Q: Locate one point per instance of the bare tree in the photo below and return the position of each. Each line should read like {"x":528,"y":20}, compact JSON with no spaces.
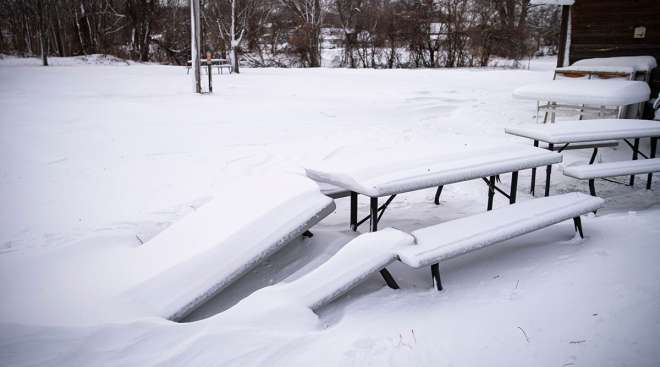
{"x":309,"y":16}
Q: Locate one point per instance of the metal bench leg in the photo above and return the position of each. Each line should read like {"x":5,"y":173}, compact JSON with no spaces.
{"x":389,"y":279}
{"x":592,"y":187}
{"x":437,"y":195}
{"x":491,"y":192}
{"x":514,"y":187}
{"x":577,"y":222}
{"x":593,"y":156}
{"x":533,"y":182}
{"x":548,"y":172}
{"x":354,"y":205}
{"x":649,"y":178}
{"x":435,"y":274}
{"x":373,"y":220}
{"x":635,"y":151}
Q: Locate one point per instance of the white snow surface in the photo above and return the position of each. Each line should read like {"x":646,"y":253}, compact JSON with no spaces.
{"x":577,"y":131}
{"x":639,"y":63}
{"x":94,"y":157}
{"x":399,"y":170}
{"x":450,"y":239}
{"x":611,"y":169}
{"x":596,"y":92}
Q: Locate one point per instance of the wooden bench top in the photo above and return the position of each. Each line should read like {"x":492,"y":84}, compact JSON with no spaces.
{"x":388,"y":177}
{"x":613,"y":169}
{"x":587,"y":130}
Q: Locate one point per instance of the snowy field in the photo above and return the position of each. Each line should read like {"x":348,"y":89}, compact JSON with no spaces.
{"x":98,"y":156}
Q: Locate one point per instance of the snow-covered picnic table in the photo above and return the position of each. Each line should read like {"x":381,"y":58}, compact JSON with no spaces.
{"x":640,"y":64}
{"x":389,"y":176}
{"x":596,"y":96}
{"x":570,"y":132}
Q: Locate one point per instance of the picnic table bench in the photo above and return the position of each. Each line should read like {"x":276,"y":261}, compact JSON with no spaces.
{"x":220,"y":64}
{"x":641,"y":66}
{"x":562,"y":135}
{"x":374,"y":251}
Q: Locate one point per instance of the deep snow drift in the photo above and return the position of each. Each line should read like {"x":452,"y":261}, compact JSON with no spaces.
{"x":97,"y":159}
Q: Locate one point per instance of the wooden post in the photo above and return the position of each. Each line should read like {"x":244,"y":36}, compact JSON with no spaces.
{"x":209,"y":64}
{"x":194,"y":45}
{"x":563,"y":35}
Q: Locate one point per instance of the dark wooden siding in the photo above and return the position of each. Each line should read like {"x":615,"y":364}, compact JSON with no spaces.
{"x":604,"y":28}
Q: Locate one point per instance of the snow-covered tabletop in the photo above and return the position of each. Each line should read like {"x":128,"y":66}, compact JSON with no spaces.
{"x":639,"y":63}
{"x":598,"y":69}
{"x":382,"y":177}
{"x":609,"y":92}
{"x":588,"y":130}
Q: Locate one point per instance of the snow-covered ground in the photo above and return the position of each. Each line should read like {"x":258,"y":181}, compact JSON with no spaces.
{"x":97,"y":156}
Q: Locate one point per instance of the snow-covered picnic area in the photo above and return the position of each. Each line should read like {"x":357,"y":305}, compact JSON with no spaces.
{"x":99,"y":156}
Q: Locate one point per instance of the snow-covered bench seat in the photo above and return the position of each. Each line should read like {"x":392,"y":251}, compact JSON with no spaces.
{"x":373,"y":251}
{"x":361,"y":257}
{"x":195,"y":258}
{"x":612,"y":169}
{"x":450,"y":239}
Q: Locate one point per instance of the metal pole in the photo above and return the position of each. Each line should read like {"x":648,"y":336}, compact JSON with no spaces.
{"x":354,"y":205}
{"x":654,"y":143}
{"x":194,"y":45}
{"x":548,"y":172}
{"x":634,"y":157}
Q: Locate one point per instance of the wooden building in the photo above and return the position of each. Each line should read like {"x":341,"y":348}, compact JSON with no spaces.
{"x":606,"y":28}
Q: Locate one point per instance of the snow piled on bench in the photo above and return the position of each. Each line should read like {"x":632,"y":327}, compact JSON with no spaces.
{"x":563,"y":132}
{"x":598,"y":69}
{"x":613,"y":169}
{"x":196,"y":257}
{"x":358,"y":259}
{"x":595,"y":92}
{"x":458,"y":237}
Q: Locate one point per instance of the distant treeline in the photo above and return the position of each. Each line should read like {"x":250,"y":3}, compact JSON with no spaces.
{"x":361,"y":33}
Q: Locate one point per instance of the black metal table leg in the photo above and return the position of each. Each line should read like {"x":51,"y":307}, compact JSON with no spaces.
{"x":548,"y":172}
{"x":634,"y":157}
{"x":373,"y":220}
{"x":592,"y":187}
{"x":533,"y":183}
{"x":491,"y":192}
{"x":354,"y":205}
{"x":593,"y":156}
{"x":577,"y":222}
{"x":649,"y":178}
{"x":435,"y":275}
{"x":373,"y":212}
{"x":514,"y":187}
{"x":438,"y":192}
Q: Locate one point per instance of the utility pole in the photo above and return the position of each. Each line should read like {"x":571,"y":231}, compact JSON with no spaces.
{"x":195,"y":41}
